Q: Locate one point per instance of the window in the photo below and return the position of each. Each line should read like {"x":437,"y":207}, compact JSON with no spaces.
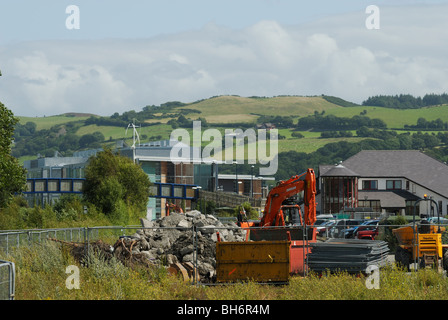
{"x":410,"y":206}
{"x":370,"y":185}
{"x":374,"y":204}
{"x":393,"y":184}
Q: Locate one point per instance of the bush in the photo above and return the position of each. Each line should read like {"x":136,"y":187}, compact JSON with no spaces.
{"x":251,"y":213}
{"x":297,"y":135}
{"x":386,"y":233}
{"x":113,"y":181}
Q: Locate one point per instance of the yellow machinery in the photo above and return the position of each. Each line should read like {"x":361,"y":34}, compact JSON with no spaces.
{"x":421,"y":244}
{"x":425,"y":248}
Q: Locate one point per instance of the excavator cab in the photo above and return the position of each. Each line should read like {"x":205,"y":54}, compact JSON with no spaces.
{"x":290,"y":213}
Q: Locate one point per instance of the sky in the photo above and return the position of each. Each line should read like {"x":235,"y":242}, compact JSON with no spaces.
{"x":129,"y":54}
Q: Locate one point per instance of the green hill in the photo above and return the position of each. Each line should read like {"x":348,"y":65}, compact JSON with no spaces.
{"x":230,"y":109}
{"x":71,"y":132}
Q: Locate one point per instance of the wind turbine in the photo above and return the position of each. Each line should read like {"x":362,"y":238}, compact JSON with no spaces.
{"x":134,"y":134}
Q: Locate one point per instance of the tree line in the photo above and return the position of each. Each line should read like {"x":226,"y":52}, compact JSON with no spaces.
{"x":406,"y":101}
{"x":29,"y":141}
{"x":331,"y":122}
{"x":424,"y":124}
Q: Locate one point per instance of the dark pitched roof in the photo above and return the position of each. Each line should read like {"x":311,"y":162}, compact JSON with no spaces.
{"x":410,"y":164}
{"x":388,"y":199}
{"x":336,"y":171}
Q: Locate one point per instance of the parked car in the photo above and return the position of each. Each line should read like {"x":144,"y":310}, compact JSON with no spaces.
{"x":320,"y":222}
{"x":351,"y":226}
{"x":437,"y":220}
{"x":338,"y":230}
{"x":368,"y":234}
{"x":365,"y":226}
{"x":324,"y":227}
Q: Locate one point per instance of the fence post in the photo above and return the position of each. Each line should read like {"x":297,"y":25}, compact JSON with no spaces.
{"x":195,"y":253}
{"x":10,"y":281}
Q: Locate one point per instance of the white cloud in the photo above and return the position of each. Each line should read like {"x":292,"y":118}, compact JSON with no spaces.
{"x":336,"y":56}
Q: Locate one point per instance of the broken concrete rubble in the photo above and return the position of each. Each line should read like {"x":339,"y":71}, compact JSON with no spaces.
{"x":171,"y":240}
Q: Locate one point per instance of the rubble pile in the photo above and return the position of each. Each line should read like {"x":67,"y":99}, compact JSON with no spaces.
{"x":166,"y":242}
{"x":170,"y":240}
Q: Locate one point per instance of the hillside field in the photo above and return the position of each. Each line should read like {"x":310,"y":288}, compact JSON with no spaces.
{"x":233,"y":110}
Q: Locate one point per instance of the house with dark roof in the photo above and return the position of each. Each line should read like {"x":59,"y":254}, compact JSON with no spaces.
{"x":387,"y":181}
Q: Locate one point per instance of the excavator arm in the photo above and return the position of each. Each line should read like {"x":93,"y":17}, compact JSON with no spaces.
{"x":287,"y":189}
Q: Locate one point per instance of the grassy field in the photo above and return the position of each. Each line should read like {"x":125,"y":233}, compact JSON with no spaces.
{"x":41,"y":275}
{"x":394,"y":118}
{"x":48,"y":122}
{"x":163,"y":130}
{"x":231,"y":109}
{"x":240,"y":109}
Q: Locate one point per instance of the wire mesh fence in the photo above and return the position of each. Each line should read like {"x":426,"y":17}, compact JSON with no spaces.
{"x":189,"y":247}
{"x":10,"y":239}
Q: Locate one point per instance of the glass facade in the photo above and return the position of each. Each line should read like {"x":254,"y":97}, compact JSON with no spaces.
{"x":339,"y":193}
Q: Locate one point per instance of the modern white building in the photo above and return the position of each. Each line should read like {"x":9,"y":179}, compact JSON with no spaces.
{"x":388,"y":181}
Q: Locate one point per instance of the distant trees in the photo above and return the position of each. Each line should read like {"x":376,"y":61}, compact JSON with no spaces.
{"x":297,"y":135}
{"x":12,"y":174}
{"x":331,"y":122}
{"x":336,"y":134}
{"x":338,"y":101}
{"x":424,"y":124}
{"x":29,"y":141}
{"x":278,"y":121}
{"x":406,"y":101}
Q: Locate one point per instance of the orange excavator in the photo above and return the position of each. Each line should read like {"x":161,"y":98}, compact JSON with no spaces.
{"x":277,"y":245}
{"x":273,"y":212}
{"x":278,"y":203}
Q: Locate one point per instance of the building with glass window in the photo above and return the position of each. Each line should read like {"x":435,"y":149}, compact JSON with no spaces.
{"x":49,"y":178}
{"x":387,"y":181}
{"x":175,"y":179}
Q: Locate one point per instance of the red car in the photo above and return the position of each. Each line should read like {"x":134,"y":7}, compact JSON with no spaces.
{"x":368,"y":234}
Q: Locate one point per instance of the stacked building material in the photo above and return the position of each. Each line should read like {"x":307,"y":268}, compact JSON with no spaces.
{"x":347,"y":255}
